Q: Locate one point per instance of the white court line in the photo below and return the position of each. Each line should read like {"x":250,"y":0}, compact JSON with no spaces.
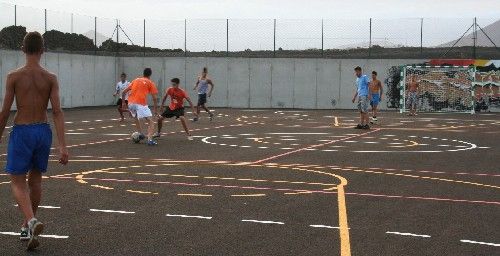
{"x":47,"y":236}
{"x":111,"y":211}
{"x":45,"y":206}
{"x":407,"y":234}
{"x":324,"y":226}
{"x":476,"y":242}
{"x":265,"y":222}
{"x":189,"y":216}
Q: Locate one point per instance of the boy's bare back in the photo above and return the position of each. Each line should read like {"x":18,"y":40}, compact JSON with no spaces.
{"x":33,"y":87}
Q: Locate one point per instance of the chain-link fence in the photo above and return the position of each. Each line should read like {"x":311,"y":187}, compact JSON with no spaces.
{"x":419,"y":38}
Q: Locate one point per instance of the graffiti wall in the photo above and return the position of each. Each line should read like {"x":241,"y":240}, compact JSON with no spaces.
{"x":485,"y":85}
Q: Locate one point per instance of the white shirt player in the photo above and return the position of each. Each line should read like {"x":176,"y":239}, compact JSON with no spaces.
{"x":121,"y":86}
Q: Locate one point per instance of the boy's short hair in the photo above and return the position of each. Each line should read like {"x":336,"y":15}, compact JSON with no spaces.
{"x":147,"y":72}
{"x":123,"y":74}
{"x":33,"y":43}
{"x":175,"y":80}
{"x":358,"y":68}
{"x":374,"y":72}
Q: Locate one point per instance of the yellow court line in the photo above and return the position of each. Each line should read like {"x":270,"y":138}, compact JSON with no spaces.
{"x":141,"y":192}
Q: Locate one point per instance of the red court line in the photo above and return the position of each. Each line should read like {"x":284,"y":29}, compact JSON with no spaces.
{"x":313,"y":146}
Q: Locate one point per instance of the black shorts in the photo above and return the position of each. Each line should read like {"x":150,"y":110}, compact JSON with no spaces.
{"x":171,"y":113}
{"x":202,"y":99}
{"x":120,"y":101}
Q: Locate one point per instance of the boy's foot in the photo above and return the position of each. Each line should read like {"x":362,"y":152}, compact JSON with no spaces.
{"x":152,"y":143}
{"x":195,"y":119}
{"x":366,"y":127}
{"x":25,"y":235}
{"x":35,"y":229}
{"x":156,"y":135}
{"x":142,"y":136}
{"x":359,"y":126}
{"x":211,"y":117}
{"x":190,"y":137}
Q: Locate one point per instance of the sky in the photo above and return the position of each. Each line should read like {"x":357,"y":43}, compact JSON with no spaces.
{"x":280,"y":9}
{"x":346,"y":25}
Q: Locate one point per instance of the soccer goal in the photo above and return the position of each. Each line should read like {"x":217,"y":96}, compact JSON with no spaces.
{"x":440,"y":88}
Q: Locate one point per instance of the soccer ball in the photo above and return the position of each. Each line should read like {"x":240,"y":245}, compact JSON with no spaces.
{"x":136,"y":137}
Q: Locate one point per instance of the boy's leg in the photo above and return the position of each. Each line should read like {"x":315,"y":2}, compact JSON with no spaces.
{"x":151,"y":127}
{"x":22,"y":196}
{"x":121,"y":112}
{"x":184,"y":125}
{"x":206,"y":109}
{"x":35,"y":187}
{"x":160,"y":124}
{"x":138,"y":125}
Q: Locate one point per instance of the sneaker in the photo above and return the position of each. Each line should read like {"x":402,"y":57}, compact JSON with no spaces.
{"x":156,"y":135}
{"x":365,"y":127}
{"x":211,"y":117}
{"x":359,"y":126}
{"x":195,"y":119}
{"x":35,"y":229}
{"x":190,"y":137}
{"x":142,"y":136}
{"x":25,"y":235}
{"x":152,"y":143}
{"x":374,"y":119}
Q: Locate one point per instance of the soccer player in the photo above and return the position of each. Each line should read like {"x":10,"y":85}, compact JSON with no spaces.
{"x":203,"y":84}
{"x":120,"y":87}
{"x":376,"y":91}
{"x":176,"y":107}
{"x":412,"y":95}
{"x":31,"y":137}
{"x":139,"y":90}
{"x":363,"y":96}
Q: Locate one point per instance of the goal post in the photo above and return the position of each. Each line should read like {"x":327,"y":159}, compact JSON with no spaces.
{"x":440,"y":88}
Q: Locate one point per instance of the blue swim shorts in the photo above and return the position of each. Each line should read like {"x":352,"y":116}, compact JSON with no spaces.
{"x":29,"y":148}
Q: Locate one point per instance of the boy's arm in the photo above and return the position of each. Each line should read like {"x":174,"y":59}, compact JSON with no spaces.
{"x":355,"y":96}
{"x":58,"y":116}
{"x":7,"y":104}
{"x":212,"y":85}
{"x":117,"y":91}
{"x":196,"y":85}
{"x":165,"y":97}
{"x":155,"y":103}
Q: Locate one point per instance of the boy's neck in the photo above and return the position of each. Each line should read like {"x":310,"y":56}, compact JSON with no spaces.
{"x":33,"y":60}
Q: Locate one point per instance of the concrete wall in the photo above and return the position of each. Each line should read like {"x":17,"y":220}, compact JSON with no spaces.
{"x":267,"y":82}
{"x":240,"y":82}
{"x":83,"y":80}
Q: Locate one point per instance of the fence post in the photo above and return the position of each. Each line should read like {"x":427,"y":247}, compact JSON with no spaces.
{"x":274,"y":35}
{"x":421,"y":37}
{"x":370,"y":42}
{"x":15,"y":15}
{"x":117,"y":37}
{"x":45,"y":15}
{"x":322,"y":39}
{"x":185,"y":37}
{"x":474,"y":39}
{"x":72,"y":24}
{"x":95,"y":35}
{"x":227,"y":37}
{"x":144,"y":37}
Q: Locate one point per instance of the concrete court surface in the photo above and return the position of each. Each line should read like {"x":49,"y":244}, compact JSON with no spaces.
{"x":271,"y":182}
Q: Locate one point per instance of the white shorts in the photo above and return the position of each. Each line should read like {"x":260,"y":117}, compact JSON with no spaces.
{"x":140,"y":111}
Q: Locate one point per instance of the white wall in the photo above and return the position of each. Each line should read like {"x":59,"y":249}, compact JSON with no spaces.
{"x":240,"y":82}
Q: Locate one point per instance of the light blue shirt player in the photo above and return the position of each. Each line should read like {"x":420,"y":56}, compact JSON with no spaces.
{"x":363,"y":85}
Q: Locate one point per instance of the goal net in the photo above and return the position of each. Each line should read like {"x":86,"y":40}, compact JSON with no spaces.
{"x":440,"y":88}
